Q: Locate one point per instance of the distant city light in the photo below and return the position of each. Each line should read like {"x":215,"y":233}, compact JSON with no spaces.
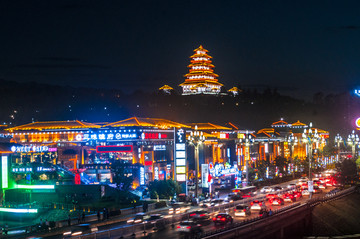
{"x":18,"y":210}
{"x":19,"y":186}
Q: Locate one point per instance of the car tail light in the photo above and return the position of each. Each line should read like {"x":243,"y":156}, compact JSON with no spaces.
{"x":214,"y":218}
{"x":260,"y":203}
{"x":223,"y":219}
{"x":252,"y":203}
{"x":193,"y":214}
{"x":178,"y":227}
{"x":244,"y":210}
{"x":202,"y":215}
{"x":234,"y":209}
{"x":188,"y":227}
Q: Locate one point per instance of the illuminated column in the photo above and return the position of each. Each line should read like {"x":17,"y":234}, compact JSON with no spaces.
{"x":247,"y":141}
{"x":353,"y":140}
{"x":196,"y":138}
{"x":338,"y":139}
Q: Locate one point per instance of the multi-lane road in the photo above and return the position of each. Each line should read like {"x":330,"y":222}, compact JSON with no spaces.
{"x":124,"y":230}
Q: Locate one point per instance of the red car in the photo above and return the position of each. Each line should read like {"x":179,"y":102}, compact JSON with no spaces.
{"x":222,"y":218}
{"x":277,"y":201}
{"x":297,"y":194}
{"x":289,"y":197}
{"x":270,"y":196}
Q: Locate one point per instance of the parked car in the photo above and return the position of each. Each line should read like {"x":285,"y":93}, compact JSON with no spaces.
{"x":222,"y":218}
{"x":242,"y":210}
{"x":189,"y":227}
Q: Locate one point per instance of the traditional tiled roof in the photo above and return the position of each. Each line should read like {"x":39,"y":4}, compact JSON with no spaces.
{"x":298,"y":123}
{"x":148,"y":122}
{"x":280,"y":122}
{"x":234,"y":89}
{"x":208,"y":126}
{"x":48,"y":125}
{"x":166,"y":87}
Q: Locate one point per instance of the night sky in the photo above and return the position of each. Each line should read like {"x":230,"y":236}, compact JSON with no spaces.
{"x":299,"y":47}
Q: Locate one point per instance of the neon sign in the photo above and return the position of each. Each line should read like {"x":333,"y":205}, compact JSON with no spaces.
{"x":357,"y":122}
{"x":180,"y":155}
{"x":357,"y":92}
{"x":4,"y":171}
{"x":109,"y":136}
{"x":153,"y":136}
{"x":27,"y":149}
{"x":142,"y":176}
{"x":18,"y":210}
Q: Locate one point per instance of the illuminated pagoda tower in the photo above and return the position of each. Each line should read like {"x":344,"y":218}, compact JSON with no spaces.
{"x":201,"y":78}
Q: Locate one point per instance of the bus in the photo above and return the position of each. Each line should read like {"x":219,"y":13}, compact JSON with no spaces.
{"x":245,"y":192}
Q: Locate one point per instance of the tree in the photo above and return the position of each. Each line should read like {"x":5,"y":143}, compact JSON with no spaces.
{"x":348,"y":171}
{"x":281,"y":162}
{"x":164,"y":189}
{"x":121,"y":178}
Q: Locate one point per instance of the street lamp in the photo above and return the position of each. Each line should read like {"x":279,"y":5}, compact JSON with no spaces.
{"x":338,"y":140}
{"x":248,"y":141}
{"x":310,"y":137}
{"x":353,"y":140}
{"x":196,"y":138}
{"x":292,"y":140}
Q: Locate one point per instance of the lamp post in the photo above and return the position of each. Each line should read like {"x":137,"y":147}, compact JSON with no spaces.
{"x":338,"y":140}
{"x":196,"y":138}
{"x":292,"y":140}
{"x":248,"y":141}
{"x":310,"y":137}
{"x":353,"y":140}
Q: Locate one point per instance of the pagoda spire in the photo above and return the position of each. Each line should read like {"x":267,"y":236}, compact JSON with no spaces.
{"x":201,"y":78}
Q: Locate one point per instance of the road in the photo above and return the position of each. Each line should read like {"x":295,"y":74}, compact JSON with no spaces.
{"x":127,"y":231}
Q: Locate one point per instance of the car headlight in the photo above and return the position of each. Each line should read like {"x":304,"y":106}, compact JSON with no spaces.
{"x":67,"y":233}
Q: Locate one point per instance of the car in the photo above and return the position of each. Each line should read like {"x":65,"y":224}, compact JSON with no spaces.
{"x":291,"y":186}
{"x":217,"y":202}
{"x":80,"y":230}
{"x":257,"y":205}
{"x":277,"y":188}
{"x":297,"y":194}
{"x":271,"y":195}
{"x":266,"y":189}
{"x":316,"y":189}
{"x":277,"y":201}
{"x":222,"y":218}
{"x":189,"y":227}
{"x":156,"y":222}
{"x":289,"y":197}
{"x":139,"y":218}
{"x":199,"y":214}
{"x":205,"y":203}
{"x":242,"y":210}
{"x":305,"y":192}
{"x":178,"y":208}
{"x":322,"y":185}
{"x":234,"y":197}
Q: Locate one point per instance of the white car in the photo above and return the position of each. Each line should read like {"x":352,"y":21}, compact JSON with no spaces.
{"x":305,"y":193}
{"x":242,"y":211}
{"x":257,"y":205}
{"x":266,"y":189}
